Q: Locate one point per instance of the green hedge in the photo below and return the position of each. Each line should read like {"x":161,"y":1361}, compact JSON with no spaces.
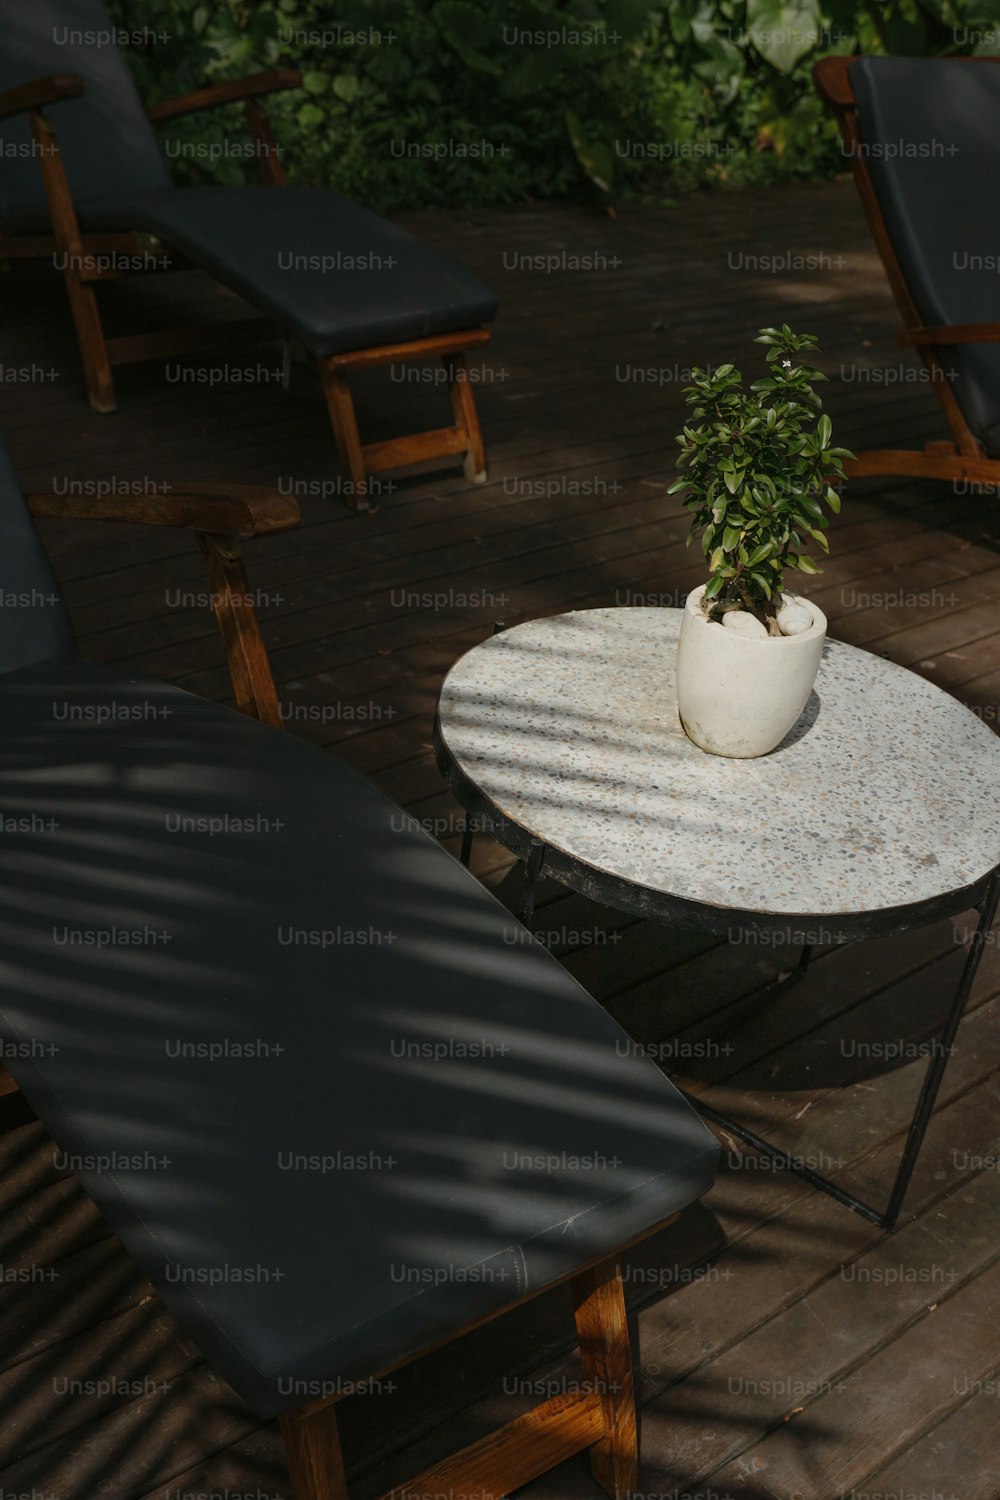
{"x":415,"y":102}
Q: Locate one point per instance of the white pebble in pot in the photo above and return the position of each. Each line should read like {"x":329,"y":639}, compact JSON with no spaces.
{"x":745,"y":623}
{"x":793,"y":619}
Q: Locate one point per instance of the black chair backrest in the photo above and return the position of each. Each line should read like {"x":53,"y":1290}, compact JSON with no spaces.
{"x":34,"y":626}
{"x":930,"y":129}
{"x":107,"y":143}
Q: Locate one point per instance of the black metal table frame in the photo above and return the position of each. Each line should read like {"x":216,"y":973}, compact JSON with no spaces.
{"x":612,"y":890}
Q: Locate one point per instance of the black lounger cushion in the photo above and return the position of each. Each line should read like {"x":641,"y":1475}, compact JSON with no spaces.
{"x":35,"y":626}
{"x":329,"y":272}
{"x":429,"y":1118}
{"x":931,"y":132}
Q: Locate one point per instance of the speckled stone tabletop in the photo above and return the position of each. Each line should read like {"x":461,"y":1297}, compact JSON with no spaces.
{"x":886,"y":792}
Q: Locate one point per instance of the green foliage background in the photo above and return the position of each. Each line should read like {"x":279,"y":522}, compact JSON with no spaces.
{"x":718,"y":88}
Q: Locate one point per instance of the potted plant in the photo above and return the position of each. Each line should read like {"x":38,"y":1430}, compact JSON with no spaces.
{"x":758,"y":466}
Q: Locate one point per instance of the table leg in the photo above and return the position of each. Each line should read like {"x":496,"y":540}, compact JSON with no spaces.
{"x":885,"y":1218}
{"x":532,"y":870}
{"x":468,"y":834}
{"x":939,"y":1061}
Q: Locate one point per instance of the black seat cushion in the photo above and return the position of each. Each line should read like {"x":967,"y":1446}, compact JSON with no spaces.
{"x":930,"y":129}
{"x":326,"y":270}
{"x":330,"y":1095}
{"x":105,"y":137}
{"x":35,"y":626}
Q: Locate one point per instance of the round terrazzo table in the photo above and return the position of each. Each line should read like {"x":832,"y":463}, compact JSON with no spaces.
{"x":877,"y":813}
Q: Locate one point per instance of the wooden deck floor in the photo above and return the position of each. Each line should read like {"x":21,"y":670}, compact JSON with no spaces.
{"x":787,"y":1348}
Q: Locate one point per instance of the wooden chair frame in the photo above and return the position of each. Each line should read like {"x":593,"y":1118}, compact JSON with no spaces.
{"x":599,"y":1417}
{"x":220,"y":517}
{"x":963,"y":458}
{"x":84,"y":253}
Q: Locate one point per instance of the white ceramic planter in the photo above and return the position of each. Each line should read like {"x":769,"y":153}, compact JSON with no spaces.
{"x":740,"y":696}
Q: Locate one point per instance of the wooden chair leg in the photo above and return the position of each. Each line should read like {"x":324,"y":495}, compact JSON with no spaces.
{"x":463,"y":404}
{"x":600,"y":1417}
{"x":340,"y":404}
{"x":606,"y":1353}
{"x":82,"y":296}
{"x":315,"y":1460}
{"x":93,"y":346}
{"x":246,"y":655}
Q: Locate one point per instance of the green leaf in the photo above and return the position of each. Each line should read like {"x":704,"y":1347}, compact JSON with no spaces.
{"x":824,"y":431}
{"x":783,"y":31}
{"x":730,"y":538}
{"x":720,"y":64}
{"x":627,"y":18}
{"x":713,"y":587}
{"x":471,"y":32}
{"x":593,"y":150}
{"x":315,"y":82}
{"x":347,"y":86}
{"x":881,"y":28}
{"x":806,"y":565}
{"x":810,"y":505}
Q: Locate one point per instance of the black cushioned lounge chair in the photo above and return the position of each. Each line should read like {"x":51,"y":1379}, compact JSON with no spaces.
{"x":82,"y":174}
{"x":923,"y":138}
{"x":274,"y":1025}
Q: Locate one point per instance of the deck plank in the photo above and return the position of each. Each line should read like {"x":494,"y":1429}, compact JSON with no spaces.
{"x":886,"y":1404}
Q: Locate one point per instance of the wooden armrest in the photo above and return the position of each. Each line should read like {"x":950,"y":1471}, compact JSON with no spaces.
{"x":238,"y":510}
{"x":227,"y":92}
{"x":956,"y":333}
{"x":39,"y":92}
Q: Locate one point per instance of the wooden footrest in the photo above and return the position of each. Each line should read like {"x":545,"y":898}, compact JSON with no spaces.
{"x":513,"y":1455}
{"x":414,"y":449}
{"x":924,"y":464}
